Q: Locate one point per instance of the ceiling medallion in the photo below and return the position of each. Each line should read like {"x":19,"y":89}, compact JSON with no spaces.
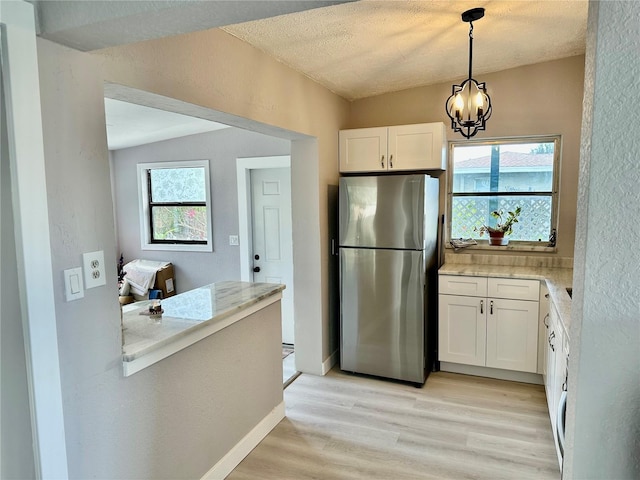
{"x":469,"y":106}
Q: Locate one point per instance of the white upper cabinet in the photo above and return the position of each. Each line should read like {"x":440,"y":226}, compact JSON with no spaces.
{"x":399,"y":148}
{"x":363,"y":150}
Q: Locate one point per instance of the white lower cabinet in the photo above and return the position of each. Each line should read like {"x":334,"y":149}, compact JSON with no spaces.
{"x":556,"y":364}
{"x":556,"y":372}
{"x":462,"y":330}
{"x":488,"y":331}
{"x":512,"y":335}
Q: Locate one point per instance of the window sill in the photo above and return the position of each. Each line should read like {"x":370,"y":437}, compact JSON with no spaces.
{"x":177,"y":247}
{"x":512,"y":247}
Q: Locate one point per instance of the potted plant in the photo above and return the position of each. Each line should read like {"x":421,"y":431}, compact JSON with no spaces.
{"x":503,"y":227}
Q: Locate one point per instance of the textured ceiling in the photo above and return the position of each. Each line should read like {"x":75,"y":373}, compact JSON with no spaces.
{"x":372,"y":47}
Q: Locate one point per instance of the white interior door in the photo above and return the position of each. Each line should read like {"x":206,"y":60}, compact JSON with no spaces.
{"x":272,"y":244}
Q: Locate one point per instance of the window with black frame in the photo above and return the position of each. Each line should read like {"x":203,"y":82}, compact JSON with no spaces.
{"x":501,"y":175}
{"x":176,"y":203}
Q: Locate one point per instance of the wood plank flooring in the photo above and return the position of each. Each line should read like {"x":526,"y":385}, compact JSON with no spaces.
{"x":344,"y":426}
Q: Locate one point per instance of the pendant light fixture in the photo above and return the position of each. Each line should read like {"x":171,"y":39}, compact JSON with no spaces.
{"x":469,"y":105}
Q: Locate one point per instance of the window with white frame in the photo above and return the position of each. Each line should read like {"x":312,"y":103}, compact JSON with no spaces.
{"x":175,"y":205}
{"x":501,"y":175}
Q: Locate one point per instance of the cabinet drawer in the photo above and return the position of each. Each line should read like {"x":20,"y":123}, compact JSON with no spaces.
{"x":459,"y":285}
{"x":514,"y":289}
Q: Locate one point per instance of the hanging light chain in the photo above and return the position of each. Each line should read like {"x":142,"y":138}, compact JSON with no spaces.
{"x":470,"y":116}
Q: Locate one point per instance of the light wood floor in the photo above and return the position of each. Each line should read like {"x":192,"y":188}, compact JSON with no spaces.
{"x":344,"y":426}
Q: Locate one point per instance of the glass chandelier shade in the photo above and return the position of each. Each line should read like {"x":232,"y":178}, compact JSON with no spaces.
{"x":469,"y":106}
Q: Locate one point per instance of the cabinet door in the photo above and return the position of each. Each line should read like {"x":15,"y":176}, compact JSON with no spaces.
{"x":543,"y":330}
{"x":363,"y":150}
{"x":554,"y":347}
{"x":512,"y":335}
{"x":560,"y":367}
{"x":417,"y":147}
{"x":462,"y":329}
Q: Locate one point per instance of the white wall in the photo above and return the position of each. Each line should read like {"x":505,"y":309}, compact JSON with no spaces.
{"x":604,"y":369}
{"x":16,"y":450}
{"x":173,"y":419}
{"x":221,"y":148}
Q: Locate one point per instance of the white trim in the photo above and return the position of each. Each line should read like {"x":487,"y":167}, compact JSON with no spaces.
{"x":328,"y":364}
{"x":243,"y":178}
{"x":33,"y":247}
{"x":153,"y":355}
{"x":511,"y":375}
{"x":556,"y":139}
{"x":143,"y":205}
{"x":250,"y":441}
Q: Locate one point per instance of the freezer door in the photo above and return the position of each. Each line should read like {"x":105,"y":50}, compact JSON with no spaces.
{"x":382,"y":313}
{"x":383,"y":211}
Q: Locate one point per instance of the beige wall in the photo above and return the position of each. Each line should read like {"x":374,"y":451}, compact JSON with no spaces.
{"x":539,"y":99}
{"x":215,"y":70}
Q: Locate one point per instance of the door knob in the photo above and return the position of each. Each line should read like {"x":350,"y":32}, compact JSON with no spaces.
{"x":256,"y":269}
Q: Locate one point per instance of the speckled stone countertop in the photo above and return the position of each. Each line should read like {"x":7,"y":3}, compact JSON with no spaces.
{"x":187,"y":312}
{"x":557,"y":280}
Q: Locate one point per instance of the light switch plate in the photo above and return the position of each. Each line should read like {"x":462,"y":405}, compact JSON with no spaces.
{"x":73,"y":284}
{"x":94,"y":272}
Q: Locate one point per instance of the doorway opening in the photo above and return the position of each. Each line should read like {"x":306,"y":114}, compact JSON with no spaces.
{"x":266,"y":244}
{"x":306,"y":228}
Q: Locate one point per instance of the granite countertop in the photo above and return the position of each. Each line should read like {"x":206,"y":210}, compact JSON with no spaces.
{"x":187,"y":312}
{"x":557,"y":281}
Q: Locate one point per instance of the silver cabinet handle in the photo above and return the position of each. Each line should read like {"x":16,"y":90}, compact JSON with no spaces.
{"x":544,"y":320}
{"x":491,"y":307}
{"x":481,"y":306}
{"x":390,"y":161}
{"x":382,"y":161}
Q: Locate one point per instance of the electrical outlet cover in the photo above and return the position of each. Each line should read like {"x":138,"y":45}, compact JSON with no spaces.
{"x":94,"y":271}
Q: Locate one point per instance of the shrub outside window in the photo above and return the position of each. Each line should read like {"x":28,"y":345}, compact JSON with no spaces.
{"x":502,"y":174}
{"x":175,"y":205}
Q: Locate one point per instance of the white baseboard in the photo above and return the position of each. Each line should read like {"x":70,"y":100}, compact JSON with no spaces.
{"x":513,"y":376}
{"x":328,"y":364}
{"x":233,"y":458}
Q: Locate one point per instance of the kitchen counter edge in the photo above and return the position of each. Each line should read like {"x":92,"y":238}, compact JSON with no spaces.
{"x":240,"y":299}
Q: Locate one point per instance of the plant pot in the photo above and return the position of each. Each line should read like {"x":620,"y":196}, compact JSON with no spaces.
{"x":498,"y":239}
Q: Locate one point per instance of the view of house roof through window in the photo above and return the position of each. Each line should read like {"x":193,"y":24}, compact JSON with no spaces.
{"x":501,"y":176}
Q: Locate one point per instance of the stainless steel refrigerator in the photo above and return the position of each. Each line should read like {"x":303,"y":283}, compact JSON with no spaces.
{"x":388,"y":233}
